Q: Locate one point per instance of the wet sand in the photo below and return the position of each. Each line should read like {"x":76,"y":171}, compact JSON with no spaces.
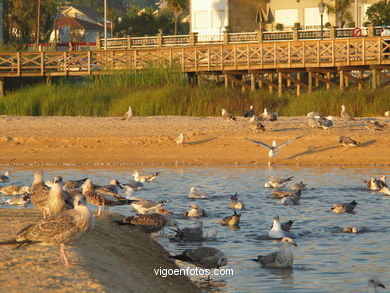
{"x":108,"y":259}
{"x":211,"y":141}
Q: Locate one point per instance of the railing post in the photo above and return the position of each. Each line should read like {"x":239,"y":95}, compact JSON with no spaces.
{"x":296,"y":31}
{"x":259,"y":36}
{"x":226,"y":36}
{"x":193,"y":38}
{"x":128,"y":42}
{"x":98,"y":42}
{"x":370,"y":30}
{"x":159,"y":39}
{"x":332,"y":32}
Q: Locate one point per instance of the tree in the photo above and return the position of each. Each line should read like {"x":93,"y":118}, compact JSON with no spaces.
{"x":379,"y":13}
{"x":176,"y":7}
{"x":19,"y":18}
{"x":340,"y":8}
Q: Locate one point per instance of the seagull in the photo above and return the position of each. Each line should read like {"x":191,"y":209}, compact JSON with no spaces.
{"x":268,"y":116}
{"x":144,"y":206}
{"x":326,"y":122}
{"x":282,"y":194}
{"x":204,"y":257}
{"x":373,"y":125}
{"x":299,"y":186}
{"x":375,"y":184}
{"x":39,"y":193}
{"x":134,"y":185}
{"x":345,"y":115}
{"x":274,"y":149}
{"x":233,"y":220}
{"x":194,"y":193}
{"x":339,"y":208}
{"x":18,"y":200}
{"x":347,"y":141}
{"x":286,"y":226}
{"x":373,"y":283}
{"x":387,"y":114}
{"x":281,"y":259}
{"x":277,"y":183}
{"x":59,"y":229}
{"x":385,"y":190}
{"x":189,"y":234}
{"x":180,"y":140}
{"x":314,"y":115}
{"x":110,"y":189}
{"x":195,"y":212}
{"x":251,"y":112}
{"x":128,"y":115}
{"x":255,"y":124}
{"x":57,"y":200}
{"x":14,"y":189}
{"x":235,"y":203}
{"x":149,"y":223}
{"x":227,"y":115}
{"x":313,"y":121}
{"x":102,"y":200}
{"x":4,"y":177}
{"x":355,"y":229}
{"x":276,"y":231}
{"x":145,"y":178}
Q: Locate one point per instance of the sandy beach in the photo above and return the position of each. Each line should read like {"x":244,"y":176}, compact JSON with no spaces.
{"x":210,"y":141}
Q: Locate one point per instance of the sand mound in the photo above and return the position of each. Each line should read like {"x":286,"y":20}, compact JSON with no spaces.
{"x":109,"y":259}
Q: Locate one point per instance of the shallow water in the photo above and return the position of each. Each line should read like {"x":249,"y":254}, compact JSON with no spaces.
{"x":325,"y":259}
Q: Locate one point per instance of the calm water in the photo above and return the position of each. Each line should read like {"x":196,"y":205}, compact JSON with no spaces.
{"x":325,"y":259}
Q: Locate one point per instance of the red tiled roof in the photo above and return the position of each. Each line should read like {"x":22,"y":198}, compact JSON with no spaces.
{"x":78,"y":23}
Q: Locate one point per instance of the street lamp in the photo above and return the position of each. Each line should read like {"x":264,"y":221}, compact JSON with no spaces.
{"x":321,"y":9}
{"x":105,"y":24}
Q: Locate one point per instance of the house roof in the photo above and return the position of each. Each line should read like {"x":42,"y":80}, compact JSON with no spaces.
{"x":78,"y":23}
{"x":88,"y":12}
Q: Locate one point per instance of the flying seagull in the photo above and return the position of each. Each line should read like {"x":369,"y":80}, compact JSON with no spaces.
{"x":273,"y":150}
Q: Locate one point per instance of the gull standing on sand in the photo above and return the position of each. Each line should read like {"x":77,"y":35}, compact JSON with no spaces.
{"x":146,"y":177}
{"x":39,"y":193}
{"x":339,"y":208}
{"x":235,"y":203}
{"x":195,"y":212}
{"x":149,"y":223}
{"x":345,"y":115}
{"x":195,"y":193}
{"x":204,"y":257}
{"x":233,"y":220}
{"x":227,"y":115}
{"x":128,"y":115}
{"x":274,"y":149}
{"x":347,"y":141}
{"x":373,"y":125}
{"x":4,"y":177}
{"x":255,"y":124}
{"x":277,"y":183}
{"x":387,"y":114}
{"x":102,"y":200}
{"x":326,"y":122}
{"x":189,"y":234}
{"x":268,"y":116}
{"x":250,"y":113}
{"x":14,"y":189}
{"x":59,"y":229}
{"x":283,"y":258}
{"x":57,"y":200}
{"x":180,"y":140}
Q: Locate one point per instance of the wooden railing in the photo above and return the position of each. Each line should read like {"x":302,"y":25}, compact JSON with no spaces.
{"x":217,"y":57}
{"x":230,"y":38}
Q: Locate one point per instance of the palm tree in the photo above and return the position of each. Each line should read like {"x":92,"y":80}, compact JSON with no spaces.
{"x":176,"y":7}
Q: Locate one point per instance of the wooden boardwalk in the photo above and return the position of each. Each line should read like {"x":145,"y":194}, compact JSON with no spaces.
{"x":277,"y":64}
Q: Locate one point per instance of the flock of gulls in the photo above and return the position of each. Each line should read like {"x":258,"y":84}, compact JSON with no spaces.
{"x":66,"y":215}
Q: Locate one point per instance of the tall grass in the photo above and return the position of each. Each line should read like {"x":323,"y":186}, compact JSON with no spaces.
{"x":163,"y":91}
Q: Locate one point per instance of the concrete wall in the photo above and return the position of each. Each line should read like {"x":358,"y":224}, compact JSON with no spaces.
{"x":242,"y":17}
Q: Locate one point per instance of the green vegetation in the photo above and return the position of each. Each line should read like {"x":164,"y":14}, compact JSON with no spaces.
{"x":159,"y":91}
